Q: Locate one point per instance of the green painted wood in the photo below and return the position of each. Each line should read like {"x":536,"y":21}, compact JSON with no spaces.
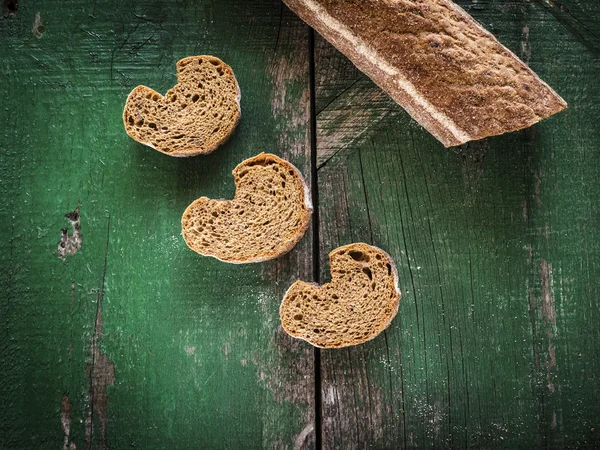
{"x":496,"y":341}
{"x":135,"y":341}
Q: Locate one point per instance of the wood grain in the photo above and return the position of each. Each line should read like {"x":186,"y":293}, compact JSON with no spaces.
{"x":494,"y":345}
{"x":134,"y":340}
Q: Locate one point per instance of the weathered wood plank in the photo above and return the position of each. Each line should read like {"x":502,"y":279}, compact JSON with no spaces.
{"x":580,"y":18}
{"x":135,"y":341}
{"x":347,"y":102}
{"x":495,"y":342}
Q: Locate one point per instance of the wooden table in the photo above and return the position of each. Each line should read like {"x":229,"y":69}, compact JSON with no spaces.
{"x":136,"y":342}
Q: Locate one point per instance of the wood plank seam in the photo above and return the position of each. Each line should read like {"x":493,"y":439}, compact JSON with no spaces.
{"x":315,"y":224}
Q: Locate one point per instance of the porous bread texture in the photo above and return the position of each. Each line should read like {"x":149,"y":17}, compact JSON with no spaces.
{"x":359,"y":303}
{"x":269,"y":214}
{"x":194,"y":117}
{"x":437,"y":62}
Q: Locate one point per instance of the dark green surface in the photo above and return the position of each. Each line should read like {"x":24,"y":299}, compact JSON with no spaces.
{"x":199,"y":360}
{"x":137,"y":342}
{"x":496,"y":340}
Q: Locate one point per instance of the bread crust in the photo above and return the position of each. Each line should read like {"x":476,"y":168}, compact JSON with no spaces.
{"x":437,"y":62}
{"x":360,"y":246}
{"x":144,"y":92}
{"x":279,"y":251}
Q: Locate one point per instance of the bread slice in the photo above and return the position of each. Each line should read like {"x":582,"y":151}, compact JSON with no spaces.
{"x":196,"y":116}
{"x":359,"y":303}
{"x":269,"y":214}
{"x":437,"y":62}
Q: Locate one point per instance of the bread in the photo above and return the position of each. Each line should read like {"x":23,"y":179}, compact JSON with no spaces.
{"x":196,"y":116}
{"x":437,"y":62}
{"x":269,"y":214}
{"x":359,"y":303}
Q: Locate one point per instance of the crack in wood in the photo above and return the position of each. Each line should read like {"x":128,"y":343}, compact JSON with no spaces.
{"x":575,"y":25}
{"x":101,"y":371}
{"x":349,"y":118}
{"x":315,"y":244}
{"x":337,"y":96}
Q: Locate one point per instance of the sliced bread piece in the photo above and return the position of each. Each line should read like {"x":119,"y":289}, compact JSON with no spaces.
{"x":437,"y":62}
{"x":359,"y":303}
{"x":196,"y":116}
{"x":269,"y":214}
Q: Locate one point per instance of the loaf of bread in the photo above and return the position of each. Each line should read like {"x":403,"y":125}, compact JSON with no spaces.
{"x":359,"y":303}
{"x":437,"y":62}
{"x":269,"y":214}
{"x":196,"y":116}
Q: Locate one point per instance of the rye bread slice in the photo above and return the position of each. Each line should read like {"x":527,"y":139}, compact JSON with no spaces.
{"x":269,"y":214}
{"x":437,"y":62}
{"x":194,"y":117}
{"x":359,"y":303}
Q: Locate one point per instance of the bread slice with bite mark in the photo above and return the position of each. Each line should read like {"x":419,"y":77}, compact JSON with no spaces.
{"x":268,"y":215}
{"x":194,"y":117}
{"x":359,"y":303}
